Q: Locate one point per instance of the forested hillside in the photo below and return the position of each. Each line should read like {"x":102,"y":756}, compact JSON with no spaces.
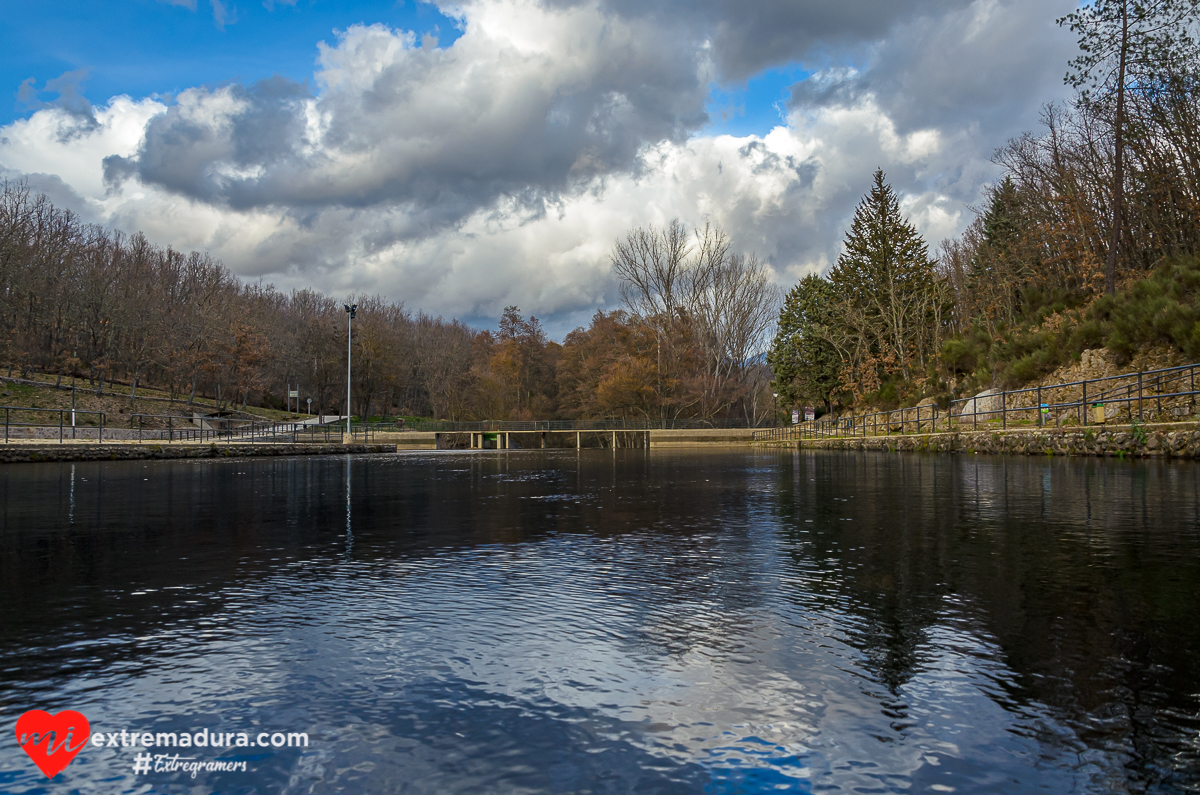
{"x":84,"y":302}
{"x":1088,"y":240}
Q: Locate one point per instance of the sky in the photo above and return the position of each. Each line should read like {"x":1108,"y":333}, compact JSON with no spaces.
{"x":465,"y":156}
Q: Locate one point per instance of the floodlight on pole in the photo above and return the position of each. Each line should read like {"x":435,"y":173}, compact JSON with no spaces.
{"x":350,"y":310}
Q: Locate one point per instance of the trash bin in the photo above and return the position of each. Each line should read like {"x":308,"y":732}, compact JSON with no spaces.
{"x":1098,"y":413}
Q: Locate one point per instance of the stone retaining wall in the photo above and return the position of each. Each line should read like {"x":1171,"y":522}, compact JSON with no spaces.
{"x":701,"y":437}
{"x":26,"y":453}
{"x":1166,"y":440}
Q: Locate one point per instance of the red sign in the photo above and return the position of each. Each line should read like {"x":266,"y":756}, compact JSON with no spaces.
{"x":52,"y":741}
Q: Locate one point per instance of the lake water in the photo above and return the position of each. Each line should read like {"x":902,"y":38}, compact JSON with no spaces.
{"x":708,"y":622}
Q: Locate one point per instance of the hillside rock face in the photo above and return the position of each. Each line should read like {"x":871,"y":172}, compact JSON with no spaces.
{"x":985,"y":401}
{"x":1102,"y":363}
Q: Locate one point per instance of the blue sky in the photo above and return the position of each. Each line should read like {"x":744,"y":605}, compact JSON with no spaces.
{"x":755,"y":107}
{"x":153,"y":47}
{"x":499,"y":168}
{"x":147,"y":47}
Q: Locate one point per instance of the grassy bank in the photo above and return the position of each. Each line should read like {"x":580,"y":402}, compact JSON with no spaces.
{"x":39,"y":391}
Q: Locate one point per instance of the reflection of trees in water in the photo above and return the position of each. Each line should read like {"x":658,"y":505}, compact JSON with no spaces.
{"x":194,"y":534}
{"x":1085,"y":573}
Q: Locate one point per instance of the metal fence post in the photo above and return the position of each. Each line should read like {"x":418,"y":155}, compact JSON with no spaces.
{"x":1139,"y":397}
{"x":1003,"y":410}
{"x":1085,"y":405}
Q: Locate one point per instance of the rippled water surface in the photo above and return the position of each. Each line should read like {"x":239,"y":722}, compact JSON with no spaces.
{"x":589,"y":622}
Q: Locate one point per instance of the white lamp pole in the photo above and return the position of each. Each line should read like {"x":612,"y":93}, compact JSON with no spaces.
{"x":350,"y":310}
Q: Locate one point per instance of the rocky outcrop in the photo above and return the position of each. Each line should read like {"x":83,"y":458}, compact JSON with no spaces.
{"x":1167,"y":440}
{"x":986,"y":401}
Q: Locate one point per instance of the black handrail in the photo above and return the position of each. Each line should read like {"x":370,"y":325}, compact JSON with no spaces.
{"x":1122,"y":390}
{"x":63,"y":427}
{"x":530,"y":426}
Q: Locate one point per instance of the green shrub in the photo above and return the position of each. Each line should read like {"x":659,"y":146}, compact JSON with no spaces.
{"x":1022,"y":371}
{"x":1163,"y":309}
{"x":888,"y":396}
{"x":959,"y":355}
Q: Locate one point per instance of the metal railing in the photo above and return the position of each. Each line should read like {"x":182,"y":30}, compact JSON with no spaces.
{"x":20,"y":423}
{"x":918,"y":419}
{"x":65,"y":429}
{"x":1118,"y":393}
{"x":1037,"y":406}
{"x":529,"y":426}
{"x":185,"y":429}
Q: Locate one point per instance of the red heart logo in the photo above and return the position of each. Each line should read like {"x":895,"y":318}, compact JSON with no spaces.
{"x":48,"y":738}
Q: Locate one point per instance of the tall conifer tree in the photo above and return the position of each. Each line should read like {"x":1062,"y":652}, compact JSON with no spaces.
{"x":884,"y":281}
{"x":804,"y":364}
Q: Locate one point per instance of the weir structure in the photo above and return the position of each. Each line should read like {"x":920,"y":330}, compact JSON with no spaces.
{"x":503,"y":439}
{"x":560,"y":438}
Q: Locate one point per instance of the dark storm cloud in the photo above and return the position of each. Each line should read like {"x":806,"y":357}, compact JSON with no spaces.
{"x":747,"y":37}
{"x":447,"y":131}
{"x":182,"y":149}
{"x":499,"y":169}
{"x":985,"y":64}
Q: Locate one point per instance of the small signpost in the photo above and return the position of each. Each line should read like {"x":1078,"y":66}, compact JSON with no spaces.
{"x":795,"y":416}
{"x":810,"y":413}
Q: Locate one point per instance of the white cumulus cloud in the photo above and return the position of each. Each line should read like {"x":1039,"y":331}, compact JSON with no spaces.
{"x":500,"y":169}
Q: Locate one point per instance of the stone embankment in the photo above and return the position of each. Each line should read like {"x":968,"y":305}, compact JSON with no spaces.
{"x":1164,"y":440}
{"x":27,"y":453}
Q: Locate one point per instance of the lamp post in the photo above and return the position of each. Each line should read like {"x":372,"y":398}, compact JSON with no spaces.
{"x":776,"y":394}
{"x":350,"y":310}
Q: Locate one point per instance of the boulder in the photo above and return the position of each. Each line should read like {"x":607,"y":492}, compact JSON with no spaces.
{"x":987,"y":400}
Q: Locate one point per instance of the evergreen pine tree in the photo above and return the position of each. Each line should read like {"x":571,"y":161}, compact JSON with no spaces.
{"x":886,"y":277}
{"x":805,"y":366}
{"x":997,"y":270}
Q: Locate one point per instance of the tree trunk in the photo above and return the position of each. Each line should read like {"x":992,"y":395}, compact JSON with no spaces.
{"x":1114,"y":235}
